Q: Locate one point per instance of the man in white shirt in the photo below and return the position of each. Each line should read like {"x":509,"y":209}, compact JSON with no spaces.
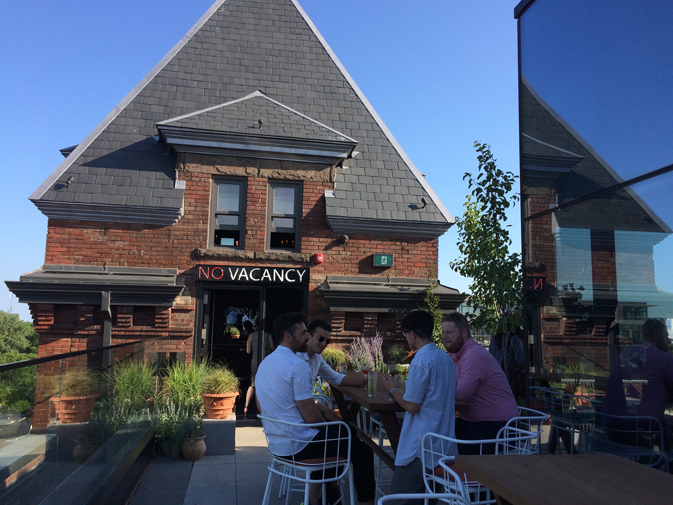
{"x":283,"y":383}
{"x":429,"y":402}
{"x":321,"y":336}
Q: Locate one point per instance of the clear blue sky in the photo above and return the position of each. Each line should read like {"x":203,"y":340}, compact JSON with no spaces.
{"x":440,"y":73}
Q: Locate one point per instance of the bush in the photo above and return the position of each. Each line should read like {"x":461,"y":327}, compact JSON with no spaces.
{"x":396,"y":354}
{"x":184,"y":382}
{"x":168,"y":417}
{"x":334,"y":357}
{"x":134,"y":382}
{"x":234,"y":331}
{"x":220,"y":380}
{"x":80,"y":383}
{"x":17,"y":387}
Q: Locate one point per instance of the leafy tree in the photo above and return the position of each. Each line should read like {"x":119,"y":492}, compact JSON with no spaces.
{"x":16,"y":335}
{"x":483,"y":242}
{"x":431,"y":304}
{"x":18,"y":342}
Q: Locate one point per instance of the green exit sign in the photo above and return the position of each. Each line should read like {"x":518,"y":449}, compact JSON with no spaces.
{"x":383,"y":260}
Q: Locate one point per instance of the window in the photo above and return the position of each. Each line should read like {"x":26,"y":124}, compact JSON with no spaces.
{"x":284,"y":216}
{"x":227,"y":224}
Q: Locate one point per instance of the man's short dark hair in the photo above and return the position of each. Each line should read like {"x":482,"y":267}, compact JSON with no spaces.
{"x":420,"y":322}
{"x":287,"y":322}
{"x":319,"y":323}
{"x":654,"y":330}
{"x":459,"y":320}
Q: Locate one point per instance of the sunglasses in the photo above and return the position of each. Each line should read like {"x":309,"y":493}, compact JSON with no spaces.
{"x":322,"y":339}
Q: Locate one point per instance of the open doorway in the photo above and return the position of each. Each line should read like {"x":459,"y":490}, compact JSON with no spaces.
{"x":224,"y":311}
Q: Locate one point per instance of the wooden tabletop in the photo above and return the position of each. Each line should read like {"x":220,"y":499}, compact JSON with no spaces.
{"x":569,"y":479}
{"x":381,"y":401}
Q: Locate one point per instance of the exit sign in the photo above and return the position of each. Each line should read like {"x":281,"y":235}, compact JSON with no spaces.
{"x":383,"y":260}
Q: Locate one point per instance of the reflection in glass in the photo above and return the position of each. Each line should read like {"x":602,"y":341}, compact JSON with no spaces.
{"x":283,"y":222}
{"x":228,"y":197}
{"x":283,"y":200}
{"x":595,"y":106}
{"x":228,"y":220}
{"x":607,"y":71}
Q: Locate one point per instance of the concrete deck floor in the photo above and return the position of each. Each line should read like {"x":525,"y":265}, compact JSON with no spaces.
{"x":239,"y":479}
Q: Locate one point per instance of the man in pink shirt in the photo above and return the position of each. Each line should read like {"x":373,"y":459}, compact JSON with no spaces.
{"x":480,"y":382}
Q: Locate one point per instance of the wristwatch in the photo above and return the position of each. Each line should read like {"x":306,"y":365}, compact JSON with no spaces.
{"x":390,"y":393}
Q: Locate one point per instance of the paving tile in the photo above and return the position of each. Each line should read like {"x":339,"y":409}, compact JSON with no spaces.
{"x":251,"y":474}
{"x":246,"y":455}
{"x":216,"y":460}
{"x":213,"y":475}
{"x":211,"y":495}
{"x":250,"y":436}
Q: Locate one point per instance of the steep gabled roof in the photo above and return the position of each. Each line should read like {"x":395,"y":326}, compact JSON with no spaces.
{"x":121,"y":171}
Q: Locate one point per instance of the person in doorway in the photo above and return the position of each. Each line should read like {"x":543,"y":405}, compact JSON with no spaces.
{"x":231,"y":318}
{"x":429,"y":402}
{"x":284,"y":392}
{"x":480,"y":382}
{"x":252,"y":347}
{"x":321,"y":336}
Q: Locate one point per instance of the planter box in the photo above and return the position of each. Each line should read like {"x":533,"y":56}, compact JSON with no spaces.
{"x":221,"y":436}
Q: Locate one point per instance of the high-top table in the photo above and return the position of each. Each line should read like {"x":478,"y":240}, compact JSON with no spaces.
{"x":381,"y":403}
{"x":580,"y":479}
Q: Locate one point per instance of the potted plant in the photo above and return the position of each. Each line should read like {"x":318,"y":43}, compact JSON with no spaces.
{"x":168,"y":418}
{"x":134,"y":382}
{"x":219,"y":392}
{"x":334,"y":357}
{"x":234,"y":333}
{"x":79,"y":390}
{"x":193,"y":445}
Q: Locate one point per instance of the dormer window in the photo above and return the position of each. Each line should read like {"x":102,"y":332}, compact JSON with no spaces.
{"x":227,"y":224}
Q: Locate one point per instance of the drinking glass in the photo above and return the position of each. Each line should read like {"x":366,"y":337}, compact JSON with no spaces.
{"x":365,"y":370}
{"x":343,"y":367}
{"x":371,"y":383}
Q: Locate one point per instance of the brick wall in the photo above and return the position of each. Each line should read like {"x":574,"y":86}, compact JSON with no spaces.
{"x":69,"y":328}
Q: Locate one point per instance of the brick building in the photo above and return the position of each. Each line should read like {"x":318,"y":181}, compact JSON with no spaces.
{"x":245,"y":171}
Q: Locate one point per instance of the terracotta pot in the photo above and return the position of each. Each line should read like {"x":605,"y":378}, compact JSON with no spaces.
{"x":84,"y":449}
{"x":193,"y":449}
{"x":73,"y":409}
{"x":219,"y":406}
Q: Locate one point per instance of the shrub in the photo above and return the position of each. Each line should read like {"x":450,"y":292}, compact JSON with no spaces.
{"x":184,"y":382}
{"x":396,"y":354}
{"x":219,"y":379}
{"x":367,"y":352}
{"x":80,"y":383}
{"x":334,"y":357}
{"x":17,"y":387}
{"x":168,"y":417}
{"x":133,"y":382}
{"x":234,"y":331}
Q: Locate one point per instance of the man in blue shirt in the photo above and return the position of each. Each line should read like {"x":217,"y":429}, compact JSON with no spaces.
{"x":429,"y":402}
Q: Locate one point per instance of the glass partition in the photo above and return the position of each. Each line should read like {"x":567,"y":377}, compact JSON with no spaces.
{"x":95,"y":408}
{"x":595,"y":112}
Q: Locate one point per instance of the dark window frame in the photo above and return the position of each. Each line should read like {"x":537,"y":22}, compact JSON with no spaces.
{"x":242,"y":183}
{"x":297,"y":215}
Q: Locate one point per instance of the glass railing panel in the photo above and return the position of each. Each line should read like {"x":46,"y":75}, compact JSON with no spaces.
{"x":69,"y":423}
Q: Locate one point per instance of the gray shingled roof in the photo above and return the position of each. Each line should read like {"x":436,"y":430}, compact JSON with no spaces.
{"x":238,"y":47}
{"x":242,"y":116}
{"x":550,"y":141}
